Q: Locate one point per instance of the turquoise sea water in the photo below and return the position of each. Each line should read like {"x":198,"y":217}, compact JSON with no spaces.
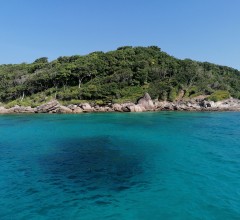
{"x":166,"y":165}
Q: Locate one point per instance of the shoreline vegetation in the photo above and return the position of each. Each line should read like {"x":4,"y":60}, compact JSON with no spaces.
{"x":114,"y":81}
{"x":143,"y":104}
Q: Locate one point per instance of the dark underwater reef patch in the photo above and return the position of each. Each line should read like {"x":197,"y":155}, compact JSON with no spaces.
{"x":93,"y":163}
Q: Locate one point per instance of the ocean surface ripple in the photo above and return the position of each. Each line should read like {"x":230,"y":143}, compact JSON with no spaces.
{"x":166,"y":165}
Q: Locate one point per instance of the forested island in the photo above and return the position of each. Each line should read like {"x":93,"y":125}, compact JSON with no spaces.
{"x":116,"y":78}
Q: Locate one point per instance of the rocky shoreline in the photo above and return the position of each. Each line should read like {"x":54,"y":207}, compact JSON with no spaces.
{"x":143,"y":104}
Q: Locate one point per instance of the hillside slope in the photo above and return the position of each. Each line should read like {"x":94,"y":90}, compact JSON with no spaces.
{"x":116,"y":76}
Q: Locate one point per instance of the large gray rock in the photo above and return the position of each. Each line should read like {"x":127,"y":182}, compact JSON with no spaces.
{"x":103,"y":109}
{"x":207,"y":104}
{"x":86,"y":107}
{"x":63,"y":109}
{"x":136,"y":108}
{"x":146,"y":102}
{"x":165,"y":105}
{"x":228,"y":105}
{"x":126,"y":106}
{"x":21,"y":109}
{"x":3,"y":110}
{"x":75,"y":109}
{"x":17,"y":109}
{"x":50,"y":107}
{"x":117,"y":107}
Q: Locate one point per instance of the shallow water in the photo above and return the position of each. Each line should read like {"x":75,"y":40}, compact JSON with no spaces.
{"x":166,"y":165}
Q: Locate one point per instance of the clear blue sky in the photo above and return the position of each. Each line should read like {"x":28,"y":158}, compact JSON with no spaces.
{"x":204,"y":30}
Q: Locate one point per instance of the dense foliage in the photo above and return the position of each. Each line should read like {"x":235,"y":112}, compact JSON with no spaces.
{"x":115,"y":76}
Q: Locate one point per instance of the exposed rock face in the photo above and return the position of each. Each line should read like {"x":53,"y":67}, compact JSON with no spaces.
{"x":180,"y":95}
{"x":18,"y":109}
{"x":63,"y":109}
{"x":86,"y":107}
{"x":146,"y":102}
{"x":200,"y":105}
{"x":50,"y":107}
{"x":102,"y":109}
{"x":3,"y":110}
{"x":205,"y":104}
{"x":228,"y":105}
{"x":126,"y":106}
{"x":75,"y":108}
{"x":22,"y":109}
{"x":136,"y":108}
{"x":117,"y":107}
{"x":163,"y":105}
